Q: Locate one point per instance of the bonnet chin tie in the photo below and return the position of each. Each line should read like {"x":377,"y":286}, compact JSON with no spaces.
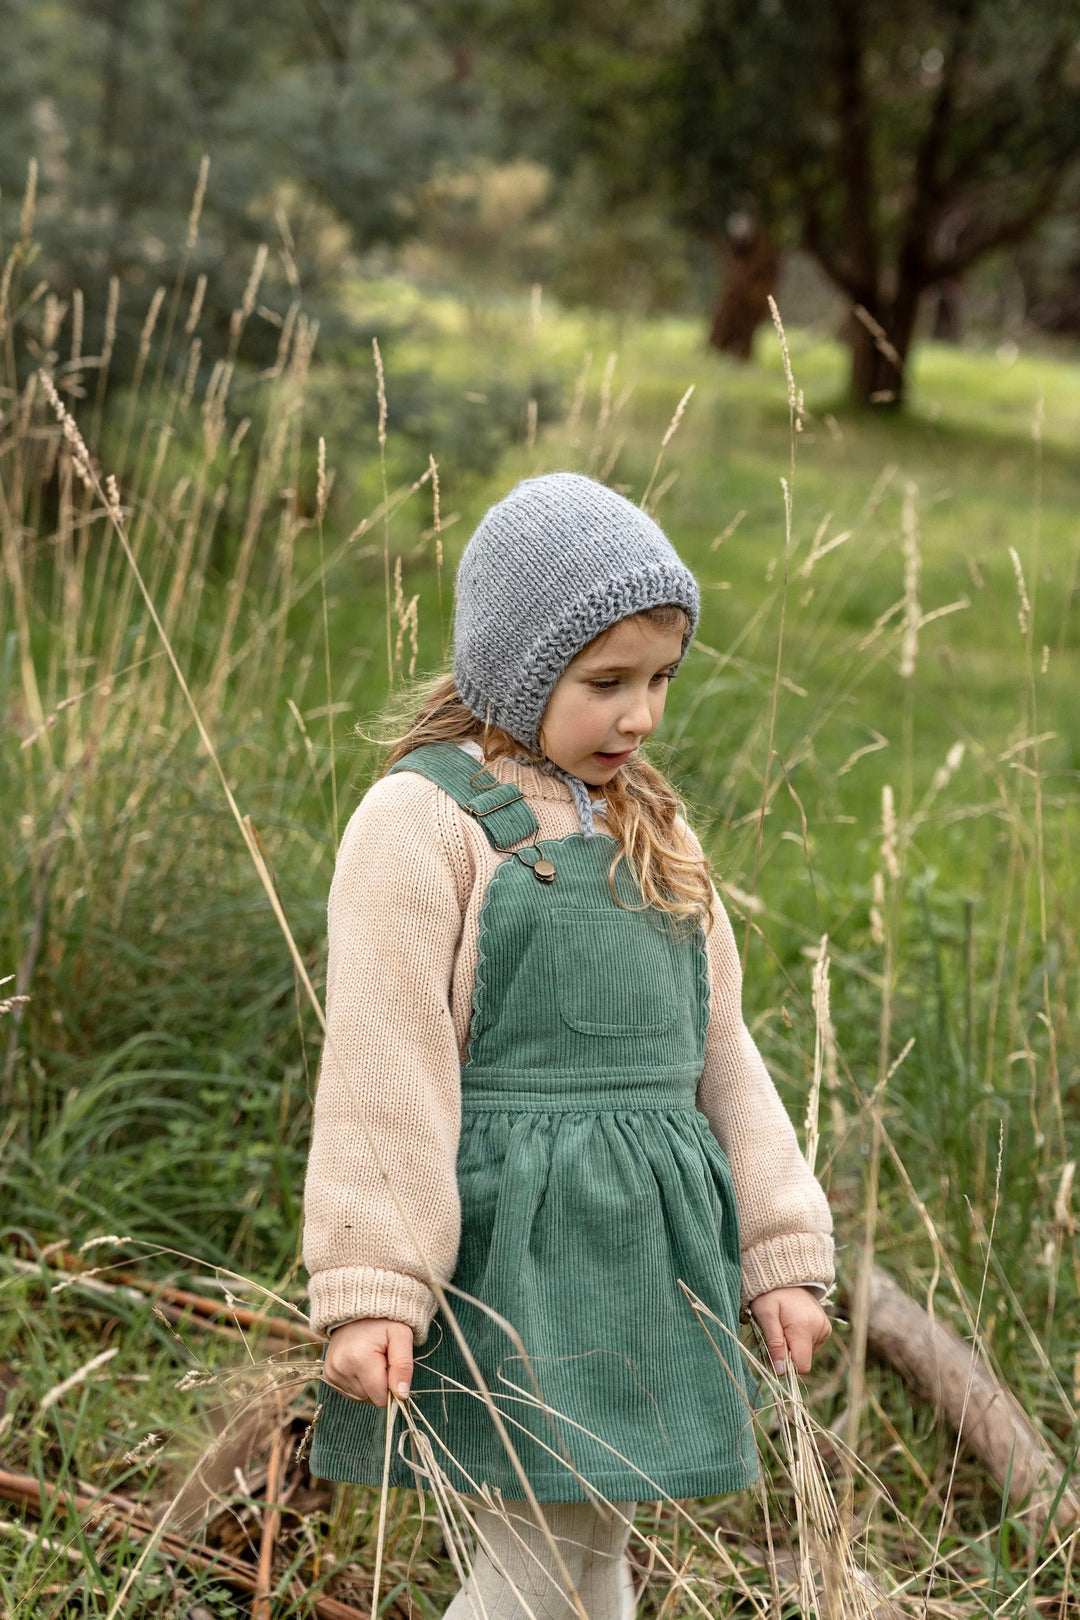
{"x":578,"y":789}
{"x":581,"y":798}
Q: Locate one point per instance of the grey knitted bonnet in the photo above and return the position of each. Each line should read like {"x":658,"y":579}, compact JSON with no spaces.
{"x":557,"y":561}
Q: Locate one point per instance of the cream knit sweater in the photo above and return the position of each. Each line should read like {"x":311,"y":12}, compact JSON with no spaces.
{"x":403,"y":919}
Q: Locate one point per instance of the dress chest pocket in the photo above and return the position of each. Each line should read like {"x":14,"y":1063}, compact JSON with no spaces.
{"x":615,"y":972}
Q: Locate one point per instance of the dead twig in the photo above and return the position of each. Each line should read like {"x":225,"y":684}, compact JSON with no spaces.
{"x":260,"y":1607}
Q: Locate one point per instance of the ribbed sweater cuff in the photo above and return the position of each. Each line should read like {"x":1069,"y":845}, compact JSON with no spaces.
{"x":786,"y":1262}
{"x":349,"y":1293}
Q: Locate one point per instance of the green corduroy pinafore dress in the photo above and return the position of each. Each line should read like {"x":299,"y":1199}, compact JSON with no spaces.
{"x":590,"y":1183}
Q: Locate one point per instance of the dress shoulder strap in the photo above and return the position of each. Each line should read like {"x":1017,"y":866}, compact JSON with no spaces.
{"x":500,"y":807}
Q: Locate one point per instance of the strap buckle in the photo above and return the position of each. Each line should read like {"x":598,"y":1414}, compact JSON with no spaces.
{"x":493,"y":809}
{"x":487,"y":787}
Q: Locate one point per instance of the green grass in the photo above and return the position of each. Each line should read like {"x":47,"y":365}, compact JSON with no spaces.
{"x":164,"y":1064}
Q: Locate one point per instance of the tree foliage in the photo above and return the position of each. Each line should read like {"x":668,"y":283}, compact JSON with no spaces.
{"x":898,"y":144}
{"x":333,"y":109}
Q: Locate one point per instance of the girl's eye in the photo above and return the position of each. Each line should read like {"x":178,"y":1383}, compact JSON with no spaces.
{"x":605,"y":686}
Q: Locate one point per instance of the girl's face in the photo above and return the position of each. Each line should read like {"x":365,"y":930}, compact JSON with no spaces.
{"x":609,"y":699}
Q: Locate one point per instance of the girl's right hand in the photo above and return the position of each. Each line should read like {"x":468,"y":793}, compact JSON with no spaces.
{"x":367,"y":1358}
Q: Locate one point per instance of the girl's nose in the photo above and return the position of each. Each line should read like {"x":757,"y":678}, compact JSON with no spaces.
{"x":637,"y":718}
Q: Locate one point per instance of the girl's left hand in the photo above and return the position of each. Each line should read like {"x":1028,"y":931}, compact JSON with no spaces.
{"x":793,"y":1323}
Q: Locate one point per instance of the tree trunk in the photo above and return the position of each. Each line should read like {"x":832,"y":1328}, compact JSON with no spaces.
{"x":112,"y":84}
{"x":948,"y":304}
{"x":880,"y":341}
{"x":751,"y":268}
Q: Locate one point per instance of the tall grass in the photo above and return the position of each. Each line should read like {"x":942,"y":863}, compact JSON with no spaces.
{"x":873,"y":730}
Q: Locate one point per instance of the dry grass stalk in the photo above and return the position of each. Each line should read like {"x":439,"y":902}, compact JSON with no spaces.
{"x":603,"y":414}
{"x":669,"y":434}
{"x":825,"y":1057}
{"x":605,"y":471}
{"x":819,"y":546}
{"x":1024,"y":611}
{"x":196,"y":206}
{"x":434,"y":1478}
{"x":239,"y":318}
{"x":380,"y":385}
{"x":788,"y":486}
{"x":577,"y":402}
{"x":191,"y":320}
{"x":880,"y":337}
{"x":407,"y":620}
{"x":829,"y":1569}
{"x":58,"y":1391}
{"x":728,"y":531}
{"x":912,"y":563}
{"x":392,"y":1405}
{"x":436,"y":530}
{"x":82,"y":464}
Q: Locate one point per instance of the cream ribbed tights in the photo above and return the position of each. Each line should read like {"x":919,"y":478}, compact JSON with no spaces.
{"x":514,"y":1577}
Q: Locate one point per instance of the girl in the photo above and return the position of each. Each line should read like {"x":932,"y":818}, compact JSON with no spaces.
{"x":535,"y":1036}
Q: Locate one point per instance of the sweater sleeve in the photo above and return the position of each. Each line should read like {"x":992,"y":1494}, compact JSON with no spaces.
{"x":390,"y":1080}
{"x":785,"y":1225}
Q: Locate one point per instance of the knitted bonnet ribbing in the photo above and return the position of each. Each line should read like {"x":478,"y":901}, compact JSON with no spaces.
{"x":558,"y":560}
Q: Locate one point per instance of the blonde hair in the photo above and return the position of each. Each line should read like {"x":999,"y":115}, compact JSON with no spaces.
{"x":642,"y":805}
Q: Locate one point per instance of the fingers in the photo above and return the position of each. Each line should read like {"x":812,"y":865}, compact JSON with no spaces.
{"x":399,"y":1359}
{"x":823,"y":1332}
{"x":800,"y":1343}
{"x":354,"y":1371}
{"x":366,"y":1359}
{"x":766,"y":1310}
{"x":793,"y":1325}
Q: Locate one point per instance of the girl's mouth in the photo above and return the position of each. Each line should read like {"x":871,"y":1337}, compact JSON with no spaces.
{"x":615,"y":759}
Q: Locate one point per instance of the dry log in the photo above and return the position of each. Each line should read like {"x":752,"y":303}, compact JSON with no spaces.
{"x":941,"y":1368}
{"x":115,"y":1516}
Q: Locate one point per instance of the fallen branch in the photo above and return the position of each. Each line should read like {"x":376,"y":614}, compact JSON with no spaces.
{"x":181,"y":1300}
{"x":116,"y":1517}
{"x":104,"y":1291}
{"x":941,"y":1368}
